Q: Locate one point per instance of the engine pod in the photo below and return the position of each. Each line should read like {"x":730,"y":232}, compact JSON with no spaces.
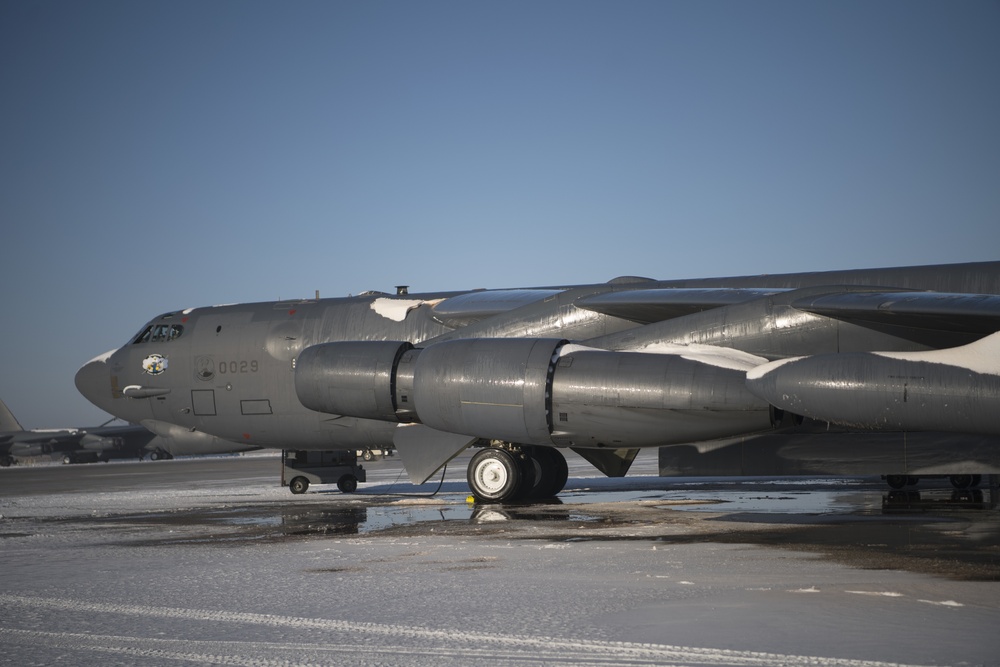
{"x":500,"y":387}
{"x":355,"y":378}
{"x":628,"y":399}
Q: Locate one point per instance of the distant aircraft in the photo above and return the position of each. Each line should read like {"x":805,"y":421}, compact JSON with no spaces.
{"x":102,"y":443}
{"x":74,"y":444}
{"x":602,"y":369}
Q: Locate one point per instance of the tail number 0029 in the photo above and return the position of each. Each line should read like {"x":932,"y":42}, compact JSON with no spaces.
{"x":233,"y":367}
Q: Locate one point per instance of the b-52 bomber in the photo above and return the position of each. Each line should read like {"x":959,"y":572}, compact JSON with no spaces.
{"x":602,"y":369}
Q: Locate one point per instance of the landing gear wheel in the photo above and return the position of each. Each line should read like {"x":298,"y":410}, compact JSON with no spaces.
{"x":298,"y":485}
{"x":347,"y":484}
{"x":962,"y":481}
{"x":368,"y":456}
{"x":551,"y":471}
{"x":896,"y":481}
{"x":494,"y":475}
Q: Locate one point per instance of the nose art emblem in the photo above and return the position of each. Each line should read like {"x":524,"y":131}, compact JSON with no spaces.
{"x":154,"y":364}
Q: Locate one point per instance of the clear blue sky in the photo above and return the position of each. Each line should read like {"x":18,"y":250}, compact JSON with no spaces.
{"x":163,"y":155}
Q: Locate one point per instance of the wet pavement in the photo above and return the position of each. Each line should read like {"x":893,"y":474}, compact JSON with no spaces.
{"x":860,"y":522}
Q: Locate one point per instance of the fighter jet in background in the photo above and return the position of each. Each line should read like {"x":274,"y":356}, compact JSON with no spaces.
{"x":101,"y":443}
{"x":603,"y":369}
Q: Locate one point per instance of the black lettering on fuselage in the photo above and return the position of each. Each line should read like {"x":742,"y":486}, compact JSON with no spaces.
{"x":234,"y":367}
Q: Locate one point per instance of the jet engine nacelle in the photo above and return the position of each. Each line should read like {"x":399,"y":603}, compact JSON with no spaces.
{"x":532,"y":391}
{"x":495,"y":388}
{"x":24,"y":450}
{"x":355,"y":379}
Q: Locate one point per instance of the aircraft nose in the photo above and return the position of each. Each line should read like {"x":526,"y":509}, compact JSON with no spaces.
{"x":93,"y":380}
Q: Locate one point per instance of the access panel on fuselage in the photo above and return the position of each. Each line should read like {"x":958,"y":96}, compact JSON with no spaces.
{"x":225,"y":369}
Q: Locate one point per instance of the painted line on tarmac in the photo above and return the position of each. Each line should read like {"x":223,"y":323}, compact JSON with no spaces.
{"x":359,"y":639}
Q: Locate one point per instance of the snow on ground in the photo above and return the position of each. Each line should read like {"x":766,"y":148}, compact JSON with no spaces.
{"x":242,"y":574}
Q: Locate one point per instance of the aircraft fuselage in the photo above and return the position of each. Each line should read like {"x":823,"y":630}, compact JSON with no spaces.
{"x":606,"y":368}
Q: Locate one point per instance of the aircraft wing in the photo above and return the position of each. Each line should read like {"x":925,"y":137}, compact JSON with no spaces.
{"x":968,"y":315}
{"x":974,"y":313}
{"x":464,"y":309}
{"x":916,"y":315}
{"x":645,"y":306}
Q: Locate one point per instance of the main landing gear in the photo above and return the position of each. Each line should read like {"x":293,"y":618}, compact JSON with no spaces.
{"x":507,"y":471}
{"x":958,"y":481}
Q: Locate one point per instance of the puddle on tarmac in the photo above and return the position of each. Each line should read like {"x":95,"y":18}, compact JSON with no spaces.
{"x":935,"y":530}
{"x":362,"y":515}
{"x":810,"y":496}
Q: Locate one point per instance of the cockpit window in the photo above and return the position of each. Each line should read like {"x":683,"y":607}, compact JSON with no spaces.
{"x":144,"y":336}
{"x":159,"y":333}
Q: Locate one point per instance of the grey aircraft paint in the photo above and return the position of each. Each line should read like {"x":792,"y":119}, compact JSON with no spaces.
{"x":604,"y":369}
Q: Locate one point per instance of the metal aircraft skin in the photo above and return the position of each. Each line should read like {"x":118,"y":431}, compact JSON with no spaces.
{"x":603,"y":369}
{"x":100,"y":443}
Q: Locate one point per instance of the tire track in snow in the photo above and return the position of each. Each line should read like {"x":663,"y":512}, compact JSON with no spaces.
{"x":418,"y":644}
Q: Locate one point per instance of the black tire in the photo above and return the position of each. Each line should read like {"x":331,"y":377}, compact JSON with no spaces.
{"x":298,"y":485}
{"x":530,"y":474}
{"x":551,"y":471}
{"x":494,"y":475}
{"x":559,"y":472}
{"x":368,"y":456}
{"x":347,"y":484}
{"x":896,"y":481}
{"x":961,"y":481}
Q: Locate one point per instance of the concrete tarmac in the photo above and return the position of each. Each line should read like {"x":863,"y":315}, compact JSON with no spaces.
{"x":637,"y":570}
{"x":931,"y":528}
